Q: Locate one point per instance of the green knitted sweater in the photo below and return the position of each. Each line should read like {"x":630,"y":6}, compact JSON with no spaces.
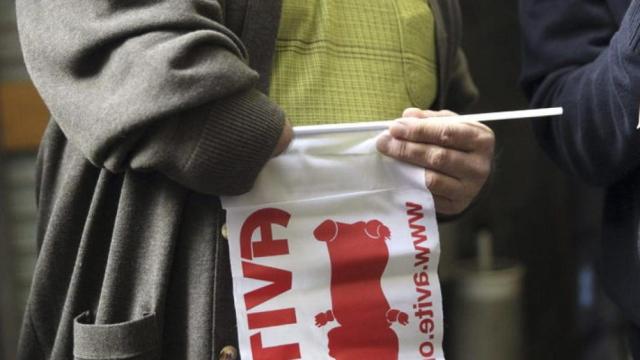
{"x":356,"y":60}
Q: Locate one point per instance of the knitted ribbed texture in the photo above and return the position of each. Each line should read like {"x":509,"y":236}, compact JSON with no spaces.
{"x":212,"y":159}
{"x":356,"y":60}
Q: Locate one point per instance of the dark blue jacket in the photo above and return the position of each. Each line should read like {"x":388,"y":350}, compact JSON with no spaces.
{"x":584,"y":55}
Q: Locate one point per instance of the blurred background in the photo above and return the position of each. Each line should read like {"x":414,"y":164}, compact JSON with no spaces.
{"x":23,"y":117}
{"x":539,"y":298}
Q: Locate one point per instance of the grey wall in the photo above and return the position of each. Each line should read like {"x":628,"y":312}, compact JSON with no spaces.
{"x":11,"y":65}
{"x":17,"y":202}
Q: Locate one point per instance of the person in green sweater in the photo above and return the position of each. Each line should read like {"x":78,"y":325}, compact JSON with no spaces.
{"x":160,"y":107}
{"x":365,"y":60}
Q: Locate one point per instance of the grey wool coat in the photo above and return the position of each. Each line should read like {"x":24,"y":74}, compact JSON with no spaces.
{"x":157,"y":108}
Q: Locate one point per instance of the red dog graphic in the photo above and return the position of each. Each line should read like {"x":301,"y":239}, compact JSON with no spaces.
{"x":359,"y":256}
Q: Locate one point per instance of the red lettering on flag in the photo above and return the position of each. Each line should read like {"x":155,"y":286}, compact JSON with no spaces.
{"x":259,"y":320}
{"x":280,"y":283}
{"x":263,"y":219}
{"x":284,"y":352}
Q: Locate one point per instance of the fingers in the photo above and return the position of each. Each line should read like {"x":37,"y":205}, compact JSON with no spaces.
{"x":463,"y":136}
{"x":285,"y":139}
{"x":454,"y":178}
{"x":450,"y":195}
{"x":422,"y":114}
{"x":456,"y":155}
{"x":446,"y":206}
{"x":413,"y":113}
{"x":454,"y":163}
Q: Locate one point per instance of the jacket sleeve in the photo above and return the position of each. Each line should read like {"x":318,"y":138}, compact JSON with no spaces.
{"x":152,"y":85}
{"x":577,"y":56}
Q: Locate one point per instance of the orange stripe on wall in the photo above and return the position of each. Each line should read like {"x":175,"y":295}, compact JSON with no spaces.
{"x":23,"y":116}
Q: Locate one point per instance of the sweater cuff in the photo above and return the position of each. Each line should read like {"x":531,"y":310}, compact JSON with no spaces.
{"x":236,"y":141}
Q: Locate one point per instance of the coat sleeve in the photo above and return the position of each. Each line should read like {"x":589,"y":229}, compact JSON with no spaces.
{"x":577,"y":56}
{"x":151,"y":85}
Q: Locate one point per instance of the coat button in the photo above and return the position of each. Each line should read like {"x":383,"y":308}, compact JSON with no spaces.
{"x":224,"y":231}
{"x":228,"y":353}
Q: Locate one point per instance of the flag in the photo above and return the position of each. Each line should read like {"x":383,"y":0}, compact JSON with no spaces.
{"x":334,"y":255}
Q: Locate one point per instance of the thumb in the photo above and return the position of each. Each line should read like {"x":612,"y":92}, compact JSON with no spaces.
{"x":412,"y":113}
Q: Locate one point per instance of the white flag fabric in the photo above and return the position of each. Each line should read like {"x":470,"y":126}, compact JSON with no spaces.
{"x":334,"y":254}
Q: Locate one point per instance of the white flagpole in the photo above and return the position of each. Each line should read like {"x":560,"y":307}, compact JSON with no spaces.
{"x":383,"y":125}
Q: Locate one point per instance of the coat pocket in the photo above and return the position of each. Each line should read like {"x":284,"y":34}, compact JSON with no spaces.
{"x":136,"y":339}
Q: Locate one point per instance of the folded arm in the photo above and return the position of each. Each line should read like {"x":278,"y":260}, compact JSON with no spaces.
{"x":152,"y":86}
